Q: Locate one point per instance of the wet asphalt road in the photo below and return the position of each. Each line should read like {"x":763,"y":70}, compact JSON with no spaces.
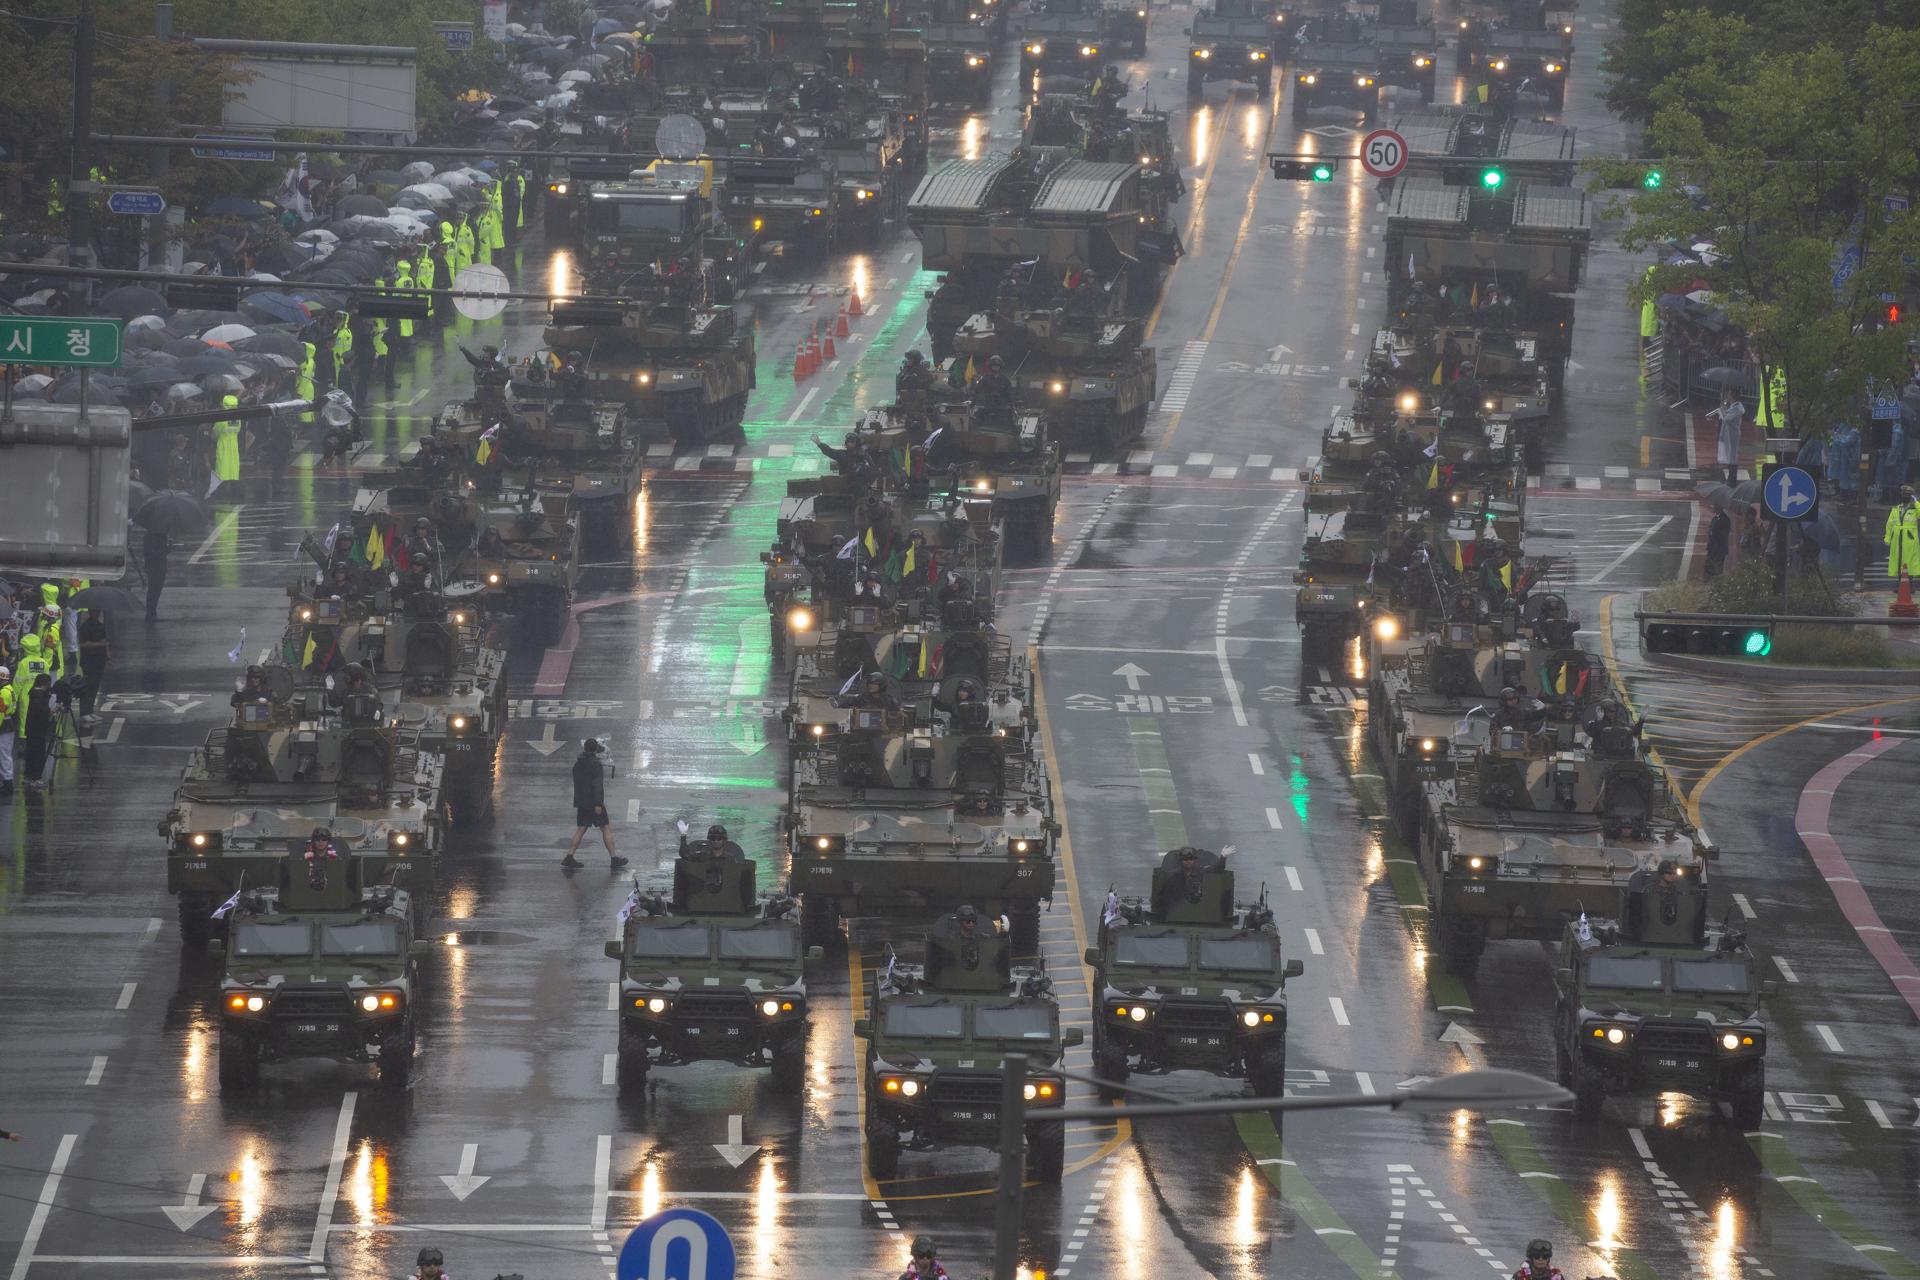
{"x":1175,"y":558}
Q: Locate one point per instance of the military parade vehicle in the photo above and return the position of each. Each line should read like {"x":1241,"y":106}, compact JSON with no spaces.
{"x":1186,"y":980}
{"x":937,"y":1036}
{"x":913,"y":805}
{"x":1540,"y":827}
{"x":1516,"y":61}
{"x":320,"y":963}
{"x":1334,"y":578}
{"x":1661,"y":1000}
{"x":1012,"y":459}
{"x":959,"y":62}
{"x":664,"y":215}
{"x":1476,"y":20}
{"x":1064,"y":46}
{"x":288,"y":764}
{"x":866,"y":189}
{"x":589,"y":454}
{"x":710,"y":972}
{"x":1231,"y":41}
{"x":671,"y":360}
{"x":1408,"y":48}
{"x":1126,"y":28}
{"x":1087,"y":374}
{"x":791,"y":200}
{"x":717,"y":41}
{"x":522,"y":564}
{"x":1336,"y":66}
{"x":1459,"y":145}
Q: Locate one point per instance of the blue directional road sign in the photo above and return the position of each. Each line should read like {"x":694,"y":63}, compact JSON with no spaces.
{"x":220,"y":146}
{"x":1886,"y":407}
{"x":677,"y":1244}
{"x":142,"y":204}
{"x":1790,"y":493}
{"x":1846,"y":264}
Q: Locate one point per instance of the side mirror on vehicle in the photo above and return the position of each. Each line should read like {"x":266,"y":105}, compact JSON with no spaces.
{"x":1092,"y":957}
{"x":1073,"y":1037}
{"x":615,"y":950}
{"x":1769,"y":988}
{"x":1293,"y":970}
{"x":863,"y":1029}
{"x":1563,"y":975}
{"x":766,"y":557}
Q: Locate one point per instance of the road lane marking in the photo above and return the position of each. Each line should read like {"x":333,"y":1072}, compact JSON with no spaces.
{"x":97,"y":1070}
{"x":609,"y":1064}
{"x":225,"y":523}
{"x":330,"y":1193}
{"x":1746,"y":909}
{"x":1624,"y":556}
{"x":1313,"y":942}
{"x":44,"y":1206}
{"x":602,"y":1180}
{"x":801,"y":408}
{"x":613,"y":996}
{"x":1273,"y":818}
{"x":126,"y":995}
{"x":1339,"y":1010}
{"x":1879,"y":1114}
{"x":1253,"y":762}
{"x":1826,"y":1033}
{"x":1365,"y":1082}
{"x":1786,"y":970}
{"x":1293,"y":878}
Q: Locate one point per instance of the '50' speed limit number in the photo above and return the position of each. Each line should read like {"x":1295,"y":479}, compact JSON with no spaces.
{"x":1383,"y":153}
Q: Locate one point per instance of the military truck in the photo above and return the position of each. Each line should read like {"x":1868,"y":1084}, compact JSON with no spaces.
{"x":1126,"y":26}
{"x":1231,"y":41}
{"x":937,"y":1037}
{"x":1538,"y":829}
{"x":1662,"y":1000}
{"x":789,"y":200}
{"x":710,"y":972}
{"x":903,"y":813}
{"x":866,"y":190}
{"x":678,"y":363}
{"x":261,"y":785}
{"x":1532,"y":61}
{"x":1334,"y":576}
{"x":959,"y":62}
{"x":705,"y":44}
{"x":1188,"y":981}
{"x":1336,"y":67}
{"x":319,"y":964}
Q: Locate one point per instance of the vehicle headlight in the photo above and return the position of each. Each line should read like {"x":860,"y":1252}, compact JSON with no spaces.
{"x":1088,"y":50}
{"x":1258,"y":54}
{"x":1500,"y":65}
{"x":1139,"y":13}
{"x":1423,"y":62}
{"x":459,"y":618}
{"x":1464,"y":24}
{"x":1057,"y":388}
{"x":1616,"y":1036}
{"x":986,"y":486}
{"x":1021,"y":846}
{"x":973,"y":60}
{"x":801,"y":620}
{"x":459,"y":723}
{"x":240,"y":1001}
{"x":306,"y":615}
{"x":1042,"y":1091}
{"x":379,"y":1001}
{"x":904,"y":1086}
{"x":1309,"y":79}
{"x":559,"y":188}
{"x":199,"y":839}
{"x":1203,"y":53}
{"x":1132,"y":1013}
{"x":1361,"y":82}
{"x":1386,"y":628}
{"x":1146,"y":159}
{"x":1480,"y":862}
{"x":1251,"y":1018}
{"x":1427,"y":747}
{"x":819,"y":730}
{"x":657,"y":1004}
{"x":643,"y":378}
{"x":863,"y":194}
{"x":493,"y":579}
{"x":1552,"y":67}
{"x":1036,"y":49}
{"x":769,"y":1007}
{"x":1729,"y":1041}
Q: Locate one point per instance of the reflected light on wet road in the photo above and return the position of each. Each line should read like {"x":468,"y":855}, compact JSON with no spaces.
{"x":249,"y":1187}
{"x":560,"y":274}
{"x":972,"y":134}
{"x":1673,"y":1109}
{"x":1462,"y":1128}
{"x":1199,"y":126}
{"x":1130,"y":1216}
{"x":193,"y":1064}
{"x":862,"y":282}
{"x":367,"y":1184}
{"x":650,"y":1190}
{"x":1253,"y":125}
{"x":642,"y":521}
{"x":1726,"y":1240}
{"x":1244,"y":1200}
{"x":1606,"y":1220}
{"x":766,"y":1214}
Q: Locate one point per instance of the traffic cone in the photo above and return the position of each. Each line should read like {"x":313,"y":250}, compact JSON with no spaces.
{"x":1903,"y":606}
{"x":826,"y":347}
{"x":853,"y":305}
{"x":800,"y":369}
{"x":840,"y":329}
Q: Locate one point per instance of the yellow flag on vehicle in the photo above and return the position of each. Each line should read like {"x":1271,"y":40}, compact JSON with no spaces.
{"x":376,"y":549}
{"x":306,"y":654}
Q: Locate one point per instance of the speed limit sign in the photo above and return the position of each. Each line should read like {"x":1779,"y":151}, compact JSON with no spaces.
{"x":1383,"y":153}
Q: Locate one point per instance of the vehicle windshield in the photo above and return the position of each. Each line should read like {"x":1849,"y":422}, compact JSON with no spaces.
{"x":774,"y":942}
{"x":637,"y":216}
{"x":856,"y":162}
{"x":285,"y":938}
{"x":671,"y":941}
{"x":361,"y":938}
{"x":941,"y":1021}
{"x":1726,"y":976}
{"x":1156,"y":951}
{"x":1635,"y":973}
{"x":1237,"y":953}
{"x":1012,"y":1022}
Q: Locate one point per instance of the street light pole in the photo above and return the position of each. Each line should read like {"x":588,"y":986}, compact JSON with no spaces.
{"x":79,"y":148}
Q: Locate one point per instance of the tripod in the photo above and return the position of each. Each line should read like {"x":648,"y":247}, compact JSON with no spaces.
{"x":66,"y":728}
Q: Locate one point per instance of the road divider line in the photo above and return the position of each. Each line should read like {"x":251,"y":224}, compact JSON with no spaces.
{"x":1746,"y":908}
{"x":602,"y":1181}
{"x":97,"y":1070}
{"x":330,"y":1192}
{"x":1293,"y":878}
{"x":126,"y":995}
{"x":1313,"y":942}
{"x":1339,"y":1010}
{"x":1273,"y":818}
{"x":1879,"y":1114}
{"x":1786,"y":970}
{"x":221,"y":526}
{"x":1253,"y":762}
{"x":42,"y":1207}
{"x":609,"y":1068}
{"x":1820,"y":1204}
{"x":1826,"y":1034}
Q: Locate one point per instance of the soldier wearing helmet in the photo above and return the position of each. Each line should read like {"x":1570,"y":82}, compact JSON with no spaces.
{"x":1539,"y":1265}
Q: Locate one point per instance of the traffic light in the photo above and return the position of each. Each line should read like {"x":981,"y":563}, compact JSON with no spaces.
{"x":1652,"y":180}
{"x":1304,"y":170}
{"x":1491,"y":178}
{"x":1746,"y":640}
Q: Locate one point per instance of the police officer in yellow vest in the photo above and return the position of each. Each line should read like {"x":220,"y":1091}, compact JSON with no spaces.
{"x":9,"y":722}
{"x":463,"y":244}
{"x":403,"y":280}
{"x":226,"y":442}
{"x":342,"y":350}
{"x":46,"y":629}
{"x":423,"y":279}
{"x":1903,"y":537}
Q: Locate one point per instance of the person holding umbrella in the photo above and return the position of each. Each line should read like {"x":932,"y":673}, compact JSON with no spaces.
{"x":1731,"y":418}
{"x":1719,"y":538}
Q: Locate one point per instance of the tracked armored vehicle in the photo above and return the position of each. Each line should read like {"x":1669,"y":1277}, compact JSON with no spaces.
{"x":679,"y":363}
{"x":1087,"y":375}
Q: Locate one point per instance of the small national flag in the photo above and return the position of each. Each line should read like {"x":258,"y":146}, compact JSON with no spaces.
{"x":376,"y":547}
{"x":870,"y":542}
{"x":1584,"y":931}
{"x":852,"y":680}
{"x":220,"y":912}
{"x":1506,"y":575}
{"x":306,"y":653}
{"x":631,"y":905}
{"x":1409,"y":266}
{"x":847,"y":548}
{"x":927,"y":444}
{"x":333,"y":535}
{"x":1110,"y":914}
{"x":1432,"y":450}
{"x":1438,"y":366}
{"x":233,"y":654}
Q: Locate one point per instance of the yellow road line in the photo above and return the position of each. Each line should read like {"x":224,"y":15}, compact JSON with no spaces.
{"x":858,"y":1000}
{"x":1646,"y":451}
{"x":1203,"y":186}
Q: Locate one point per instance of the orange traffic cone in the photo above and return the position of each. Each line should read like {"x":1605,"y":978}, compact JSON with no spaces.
{"x":1903,"y":606}
{"x":826,"y":347}
{"x":840,"y":329}
{"x":800,"y":369}
{"x":853,"y":305}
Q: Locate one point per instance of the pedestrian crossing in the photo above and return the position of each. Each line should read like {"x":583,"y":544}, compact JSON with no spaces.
{"x":1180,"y":385}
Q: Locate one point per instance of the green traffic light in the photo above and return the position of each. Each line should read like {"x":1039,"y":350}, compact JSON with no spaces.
{"x":1491,"y":179}
{"x":1757,"y":644}
{"x":1323,"y":173}
{"x":1653,"y":180}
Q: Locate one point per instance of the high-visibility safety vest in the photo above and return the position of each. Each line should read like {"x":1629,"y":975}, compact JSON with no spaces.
{"x":303,"y":381}
{"x":226,"y":442}
{"x":380,"y":338}
{"x":403,"y":279}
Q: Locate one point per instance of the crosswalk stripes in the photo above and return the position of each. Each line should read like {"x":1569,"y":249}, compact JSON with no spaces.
{"x":1180,"y":385}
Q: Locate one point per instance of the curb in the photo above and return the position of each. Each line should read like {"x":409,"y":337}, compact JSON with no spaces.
{"x":1767,"y":673}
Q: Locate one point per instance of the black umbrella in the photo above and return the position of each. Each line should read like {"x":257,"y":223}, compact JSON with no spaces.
{"x":1822,"y":531}
{"x":212,"y":362}
{"x":387,"y":178}
{"x":137,"y":493}
{"x":281,"y":258}
{"x":172,"y":513}
{"x":131,"y":300}
{"x":275,"y":343}
{"x":149,"y":376}
{"x":101,"y":598}
{"x":1721,"y":376}
{"x":198,"y":322}
{"x":1747,"y":492}
{"x":184,"y":348}
{"x":372,"y":206}
{"x":236,"y":207}
{"x":98,"y":388}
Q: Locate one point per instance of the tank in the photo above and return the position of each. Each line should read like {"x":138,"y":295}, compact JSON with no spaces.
{"x":1661,"y":1000}
{"x":1190,"y":981}
{"x":904,"y":811}
{"x":1532,"y":833}
{"x":521,"y":565}
{"x":1087,"y":375}
{"x":1335,"y":576}
{"x":937,"y":1038}
{"x":710,"y":971}
{"x":319,"y":964}
{"x":590,"y":455}
{"x":1011,"y":460}
{"x":681,"y":368}
{"x":259,"y":787}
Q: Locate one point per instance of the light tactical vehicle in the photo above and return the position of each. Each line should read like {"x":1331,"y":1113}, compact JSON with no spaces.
{"x":711,"y":972}
{"x":1538,"y":830}
{"x":1186,"y":980}
{"x":1662,"y":1000}
{"x":1337,"y":67}
{"x":1233,"y":40}
{"x":319,"y":964}
{"x":261,"y":784}
{"x":937,"y":1036}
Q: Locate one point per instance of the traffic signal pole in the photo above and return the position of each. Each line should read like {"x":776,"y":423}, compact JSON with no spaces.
{"x":80,"y":144}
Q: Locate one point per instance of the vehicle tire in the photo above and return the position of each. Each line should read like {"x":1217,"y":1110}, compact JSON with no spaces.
{"x":196,"y":924}
{"x":883,"y":1148}
{"x":790,"y":1063}
{"x":1046,"y":1151}
{"x":1196,"y":86}
{"x":239,"y":1061}
{"x":1025,"y":931}
{"x":1749,"y":1098}
{"x":630,"y":1064}
{"x":1589,"y":1090}
{"x":1460,"y":946}
{"x":819,"y":923}
{"x":1109,"y":1063}
{"x":396,"y":1058}
{"x":1267,"y":1071}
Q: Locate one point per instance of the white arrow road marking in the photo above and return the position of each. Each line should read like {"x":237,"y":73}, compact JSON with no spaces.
{"x":546,"y":744}
{"x":187,"y":1214}
{"x":1457,"y":1034}
{"x":735,"y":1150}
{"x":466,"y":1182}
{"x":1131,"y":674}
{"x":747,"y":745}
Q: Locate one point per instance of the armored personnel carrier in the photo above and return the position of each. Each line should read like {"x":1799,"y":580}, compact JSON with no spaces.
{"x":1336,"y":65}
{"x":286,"y":766}
{"x":590,"y":458}
{"x":905,"y":811}
{"x":1188,"y":981}
{"x":711,"y":972}
{"x":1335,"y":575}
{"x":671,"y":360}
{"x":1014,"y":461}
{"x":959,"y":62}
{"x":1087,"y":374}
{"x":1661,"y":1000}
{"x":522,"y":564}
{"x":319,"y":964}
{"x":937,"y":1037}
{"x":1064,"y":46}
{"x":1538,"y":829}
{"x":1233,"y":40}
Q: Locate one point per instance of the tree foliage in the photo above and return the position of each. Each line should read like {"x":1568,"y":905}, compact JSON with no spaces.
{"x":1783,"y":157}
